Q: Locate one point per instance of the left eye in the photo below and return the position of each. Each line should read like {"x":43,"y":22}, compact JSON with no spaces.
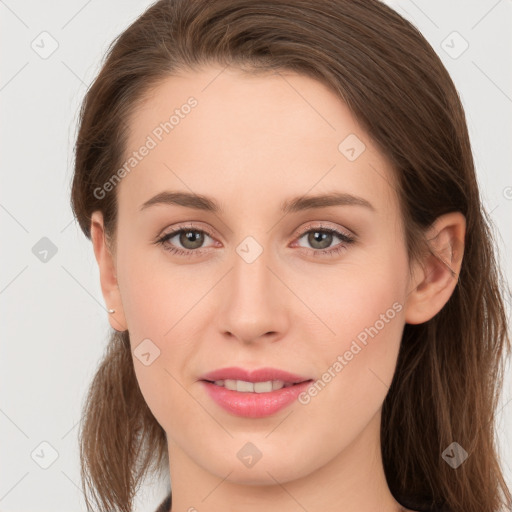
{"x":192,"y":239}
{"x":324,"y":237}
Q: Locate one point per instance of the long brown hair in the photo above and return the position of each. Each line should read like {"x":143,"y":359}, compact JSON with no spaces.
{"x":449,"y":371}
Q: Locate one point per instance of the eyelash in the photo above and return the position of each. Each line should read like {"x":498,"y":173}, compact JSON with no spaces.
{"x":346,"y":240}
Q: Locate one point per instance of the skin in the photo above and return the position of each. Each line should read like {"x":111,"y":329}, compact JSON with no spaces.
{"x":251,"y":143}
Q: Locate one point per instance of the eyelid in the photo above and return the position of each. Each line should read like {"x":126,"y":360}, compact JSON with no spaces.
{"x":187,"y":225}
{"x":323,"y":226}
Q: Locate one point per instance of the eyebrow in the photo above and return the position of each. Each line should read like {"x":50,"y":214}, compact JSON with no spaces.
{"x":201,"y":202}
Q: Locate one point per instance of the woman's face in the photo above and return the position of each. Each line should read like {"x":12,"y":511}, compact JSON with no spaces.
{"x":255,"y":285}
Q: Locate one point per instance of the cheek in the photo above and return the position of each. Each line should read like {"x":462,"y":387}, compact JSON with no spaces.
{"x":152,"y":292}
{"x":365,"y":309}
{"x":160,"y":303}
{"x":356,"y":367}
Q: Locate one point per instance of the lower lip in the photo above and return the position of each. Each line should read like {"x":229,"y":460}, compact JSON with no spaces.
{"x":254,"y":405}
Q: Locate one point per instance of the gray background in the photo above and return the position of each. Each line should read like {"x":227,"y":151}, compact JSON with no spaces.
{"x":54,"y":322}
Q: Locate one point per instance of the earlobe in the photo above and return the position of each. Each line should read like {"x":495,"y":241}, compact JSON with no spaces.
{"x":436,"y":276}
{"x":108,"y":276}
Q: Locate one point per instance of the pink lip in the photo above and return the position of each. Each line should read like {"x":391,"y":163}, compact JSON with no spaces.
{"x":254,"y":405}
{"x":259,"y":375}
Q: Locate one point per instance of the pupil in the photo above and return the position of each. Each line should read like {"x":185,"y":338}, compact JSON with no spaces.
{"x":191,"y":237}
{"x":323,"y":237}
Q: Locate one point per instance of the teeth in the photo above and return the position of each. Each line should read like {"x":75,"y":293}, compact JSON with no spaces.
{"x":252,"y":387}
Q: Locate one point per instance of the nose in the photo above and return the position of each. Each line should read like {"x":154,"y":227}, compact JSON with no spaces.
{"x":253,"y":300}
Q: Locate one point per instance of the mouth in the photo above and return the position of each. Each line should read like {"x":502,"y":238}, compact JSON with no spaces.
{"x":261,"y":380}
{"x":254,"y":387}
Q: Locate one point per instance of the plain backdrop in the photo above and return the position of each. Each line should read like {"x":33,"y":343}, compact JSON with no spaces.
{"x":53,"y":321}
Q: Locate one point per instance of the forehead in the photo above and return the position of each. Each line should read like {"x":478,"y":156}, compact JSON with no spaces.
{"x":224,"y":133}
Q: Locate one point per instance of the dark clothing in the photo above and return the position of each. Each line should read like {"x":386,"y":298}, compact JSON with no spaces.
{"x":165,"y":506}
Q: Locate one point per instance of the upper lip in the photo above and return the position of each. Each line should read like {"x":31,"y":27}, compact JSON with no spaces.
{"x":258,"y":375}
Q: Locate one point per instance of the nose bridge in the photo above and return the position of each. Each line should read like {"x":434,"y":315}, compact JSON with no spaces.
{"x":252,"y":304}
{"x":251,"y":277}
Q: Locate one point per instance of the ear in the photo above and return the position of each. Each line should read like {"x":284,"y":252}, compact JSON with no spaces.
{"x":108,"y":277}
{"x":435,"y":277}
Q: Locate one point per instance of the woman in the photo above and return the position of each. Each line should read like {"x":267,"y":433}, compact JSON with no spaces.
{"x":297,"y":267}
